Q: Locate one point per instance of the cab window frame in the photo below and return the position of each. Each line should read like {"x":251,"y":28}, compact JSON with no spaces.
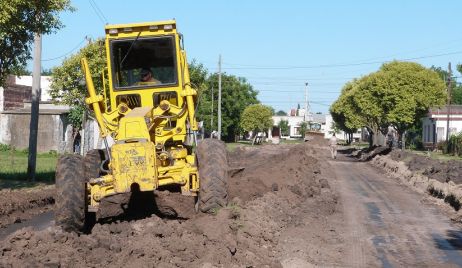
{"x":115,"y":85}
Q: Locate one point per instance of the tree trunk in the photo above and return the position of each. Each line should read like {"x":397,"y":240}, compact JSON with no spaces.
{"x":401,"y":138}
{"x":371,"y":137}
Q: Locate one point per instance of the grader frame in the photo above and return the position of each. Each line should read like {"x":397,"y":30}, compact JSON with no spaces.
{"x":152,"y":125}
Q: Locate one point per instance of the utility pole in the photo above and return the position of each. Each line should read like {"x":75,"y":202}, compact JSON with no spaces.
{"x":34,"y":110}
{"x":211,"y":118}
{"x":448,"y":107}
{"x":219,"y":97}
{"x":306,"y":102}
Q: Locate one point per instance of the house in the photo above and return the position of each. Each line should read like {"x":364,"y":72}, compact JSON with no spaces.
{"x":293,"y":123}
{"x":434,"y":125}
{"x":54,"y":130}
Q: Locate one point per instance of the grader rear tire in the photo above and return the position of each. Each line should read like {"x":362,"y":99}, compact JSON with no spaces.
{"x":93,"y":161}
{"x":70,"y":211}
{"x":213,"y":175}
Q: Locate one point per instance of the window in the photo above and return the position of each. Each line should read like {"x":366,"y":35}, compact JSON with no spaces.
{"x":297,"y":131}
{"x":171,"y":96}
{"x":131,"y":100}
{"x":143,"y":62}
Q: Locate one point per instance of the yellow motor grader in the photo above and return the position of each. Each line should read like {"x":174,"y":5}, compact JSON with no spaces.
{"x":147,"y":109}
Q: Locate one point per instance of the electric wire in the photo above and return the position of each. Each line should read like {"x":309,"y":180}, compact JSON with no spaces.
{"x":99,"y":14}
{"x":255,"y":67}
{"x":66,"y":54}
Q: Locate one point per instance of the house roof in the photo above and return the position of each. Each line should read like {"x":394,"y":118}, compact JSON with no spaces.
{"x":453,"y":110}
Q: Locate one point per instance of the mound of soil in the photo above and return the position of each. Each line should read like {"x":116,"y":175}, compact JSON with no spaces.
{"x":19,"y":205}
{"x":369,"y":153}
{"x":278,"y":193}
{"x":443,"y":171}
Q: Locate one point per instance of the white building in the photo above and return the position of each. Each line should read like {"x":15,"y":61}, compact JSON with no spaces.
{"x":329,"y":131}
{"x":45,"y":82}
{"x":294,"y":126}
{"x":434,"y":125}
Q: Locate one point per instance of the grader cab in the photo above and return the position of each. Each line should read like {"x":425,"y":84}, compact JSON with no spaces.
{"x":147,"y":109}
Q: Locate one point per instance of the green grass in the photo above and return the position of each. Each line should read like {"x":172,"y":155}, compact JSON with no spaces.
{"x":13,"y":169}
{"x":437,"y":155}
{"x":233,"y":145}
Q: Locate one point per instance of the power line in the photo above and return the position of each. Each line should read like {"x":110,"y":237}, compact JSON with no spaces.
{"x":69,"y":52}
{"x":255,"y":67}
{"x":98,"y":11}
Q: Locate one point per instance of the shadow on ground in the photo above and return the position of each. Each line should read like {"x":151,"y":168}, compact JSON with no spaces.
{"x":18,"y":180}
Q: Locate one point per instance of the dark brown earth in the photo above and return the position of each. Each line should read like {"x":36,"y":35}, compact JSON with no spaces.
{"x":440,"y":170}
{"x":443,"y":171}
{"x":20,"y":205}
{"x":291,"y":206}
{"x":279,"y":193}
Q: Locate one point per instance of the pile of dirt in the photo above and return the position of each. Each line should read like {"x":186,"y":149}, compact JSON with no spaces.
{"x":22,"y":204}
{"x":397,"y":166}
{"x":369,"y":153}
{"x":443,"y":171}
{"x":279,"y":191}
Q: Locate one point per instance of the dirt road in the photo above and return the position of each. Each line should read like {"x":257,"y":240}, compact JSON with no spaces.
{"x":290,"y":206}
{"x":389,"y":225}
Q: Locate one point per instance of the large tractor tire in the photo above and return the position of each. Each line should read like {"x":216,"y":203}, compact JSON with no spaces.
{"x":213,"y":175}
{"x":93,"y":161}
{"x":71,"y":201}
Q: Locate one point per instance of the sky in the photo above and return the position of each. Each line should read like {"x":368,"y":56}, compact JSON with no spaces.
{"x":279,"y":46}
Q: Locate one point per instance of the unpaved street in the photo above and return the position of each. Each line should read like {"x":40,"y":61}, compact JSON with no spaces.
{"x":290,"y":206}
{"x":388,"y":225}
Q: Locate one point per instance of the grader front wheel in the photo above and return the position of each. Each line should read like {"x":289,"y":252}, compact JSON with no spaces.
{"x":213,"y":175}
{"x":70,"y":211}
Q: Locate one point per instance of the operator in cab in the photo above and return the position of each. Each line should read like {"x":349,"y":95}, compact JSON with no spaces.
{"x":146,"y":78}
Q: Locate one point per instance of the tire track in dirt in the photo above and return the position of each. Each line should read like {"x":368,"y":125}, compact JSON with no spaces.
{"x":400,"y":229}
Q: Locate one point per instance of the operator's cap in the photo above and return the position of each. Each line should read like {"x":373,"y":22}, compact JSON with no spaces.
{"x":145,"y":71}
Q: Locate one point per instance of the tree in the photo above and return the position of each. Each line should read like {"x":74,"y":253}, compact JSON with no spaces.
{"x":66,"y":86}
{"x":19,"y":20}
{"x":283,"y":126}
{"x":46,"y":72}
{"x":346,"y":115}
{"x":281,"y":113}
{"x":397,"y":95}
{"x":303,"y":127}
{"x":236,"y":95}
{"x":456,"y":88}
{"x":256,"y":118}
{"x":409,"y":91}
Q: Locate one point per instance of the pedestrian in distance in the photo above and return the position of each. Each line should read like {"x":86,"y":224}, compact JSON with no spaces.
{"x":333,"y":146}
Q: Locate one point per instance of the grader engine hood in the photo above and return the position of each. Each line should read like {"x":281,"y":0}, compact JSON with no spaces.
{"x":134,"y":163}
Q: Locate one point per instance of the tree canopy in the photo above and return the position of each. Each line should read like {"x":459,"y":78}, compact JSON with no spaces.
{"x":397,"y":95}
{"x":66,"y":86}
{"x":284,"y":127}
{"x":456,"y":88}
{"x":19,"y":20}
{"x":236,"y":95}
{"x":257,"y":117}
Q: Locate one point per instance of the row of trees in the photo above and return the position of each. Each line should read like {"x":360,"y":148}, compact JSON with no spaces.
{"x":397,"y":95}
